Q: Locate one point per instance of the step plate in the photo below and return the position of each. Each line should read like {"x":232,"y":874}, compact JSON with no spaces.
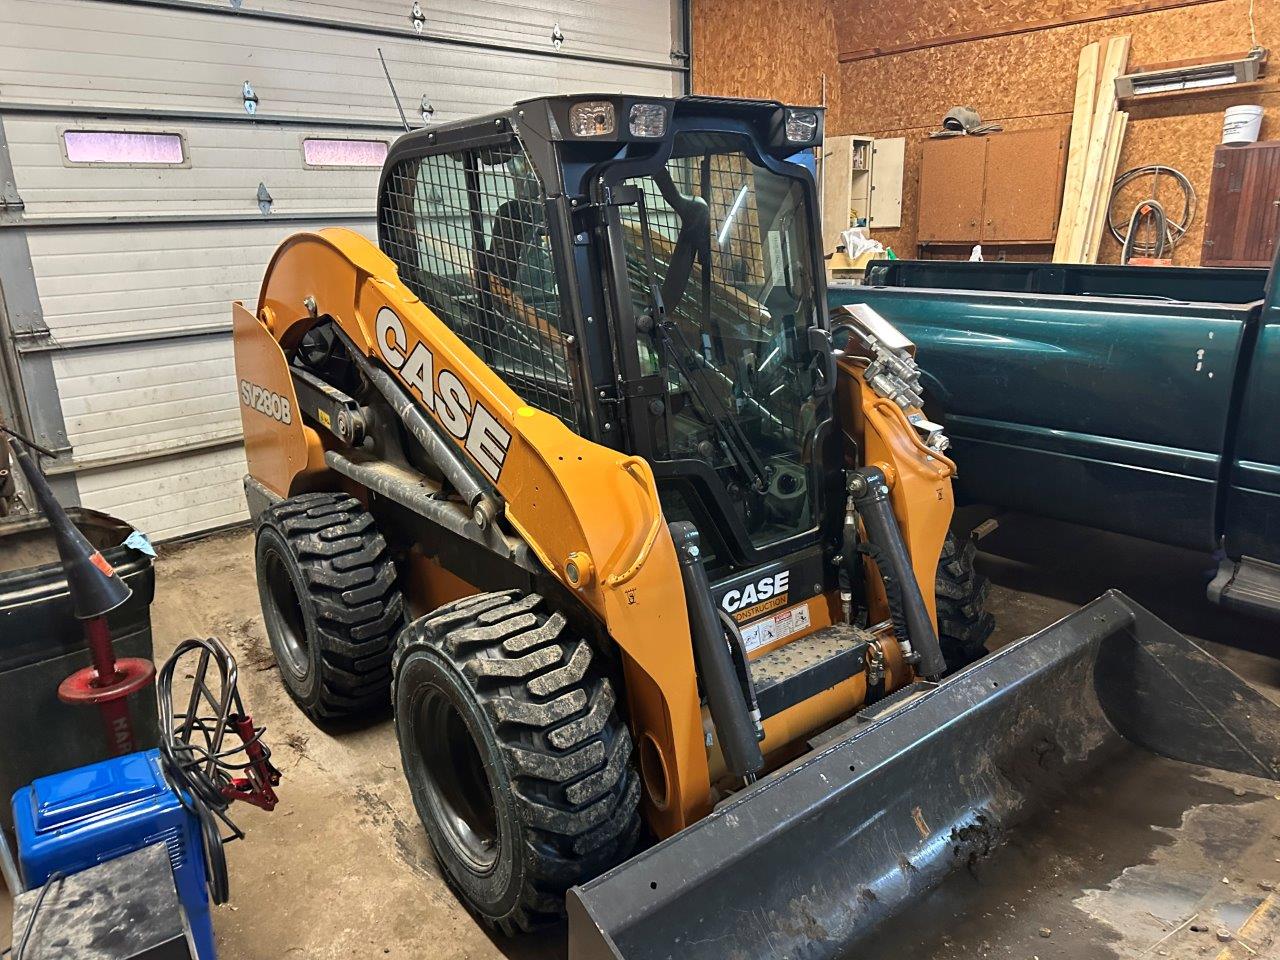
{"x":1250,"y":586}
{"x":805,"y":667}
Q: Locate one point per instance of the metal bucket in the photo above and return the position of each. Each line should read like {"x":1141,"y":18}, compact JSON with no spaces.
{"x":821,"y":859}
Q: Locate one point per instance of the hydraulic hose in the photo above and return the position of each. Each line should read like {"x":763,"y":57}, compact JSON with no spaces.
{"x":870,"y":494}
{"x":730,"y":712}
{"x":738,"y":651}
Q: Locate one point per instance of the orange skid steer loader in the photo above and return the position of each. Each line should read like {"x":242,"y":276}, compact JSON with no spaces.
{"x":651,"y":554}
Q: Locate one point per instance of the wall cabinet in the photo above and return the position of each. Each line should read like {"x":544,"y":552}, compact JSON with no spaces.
{"x":1244,"y":206}
{"x":861,"y":180}
{"x":998,"y":188}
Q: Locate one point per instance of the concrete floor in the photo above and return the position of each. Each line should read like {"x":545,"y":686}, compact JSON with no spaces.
{"x":342,"y":867}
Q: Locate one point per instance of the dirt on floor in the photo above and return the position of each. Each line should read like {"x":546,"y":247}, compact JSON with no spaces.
{"x":342,"y":869}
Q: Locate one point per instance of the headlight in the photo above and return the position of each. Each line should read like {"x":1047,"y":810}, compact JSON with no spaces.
{"x":647,"y":120}
{"x":802,"y":126}
{"x":592,"y":118}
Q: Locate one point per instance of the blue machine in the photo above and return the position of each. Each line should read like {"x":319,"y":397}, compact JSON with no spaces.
{"x":71,"y":821}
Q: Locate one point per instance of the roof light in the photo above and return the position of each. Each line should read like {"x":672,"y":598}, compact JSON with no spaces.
{"x":647,"y":120}
{"x":802,"y":126}
{"x":592,"y":118}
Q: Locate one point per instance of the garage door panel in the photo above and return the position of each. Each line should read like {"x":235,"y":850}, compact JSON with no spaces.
{"x":136,"y":266}
{"x":169,"y":497}
{"x":129,"y":281}
{"x":193,"y":61}
{"x":215,"y":179}
{"x":593,"y":27}
{"x":133,"y":398}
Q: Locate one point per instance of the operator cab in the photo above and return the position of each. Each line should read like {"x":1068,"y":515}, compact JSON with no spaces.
{"x":648,"y":270}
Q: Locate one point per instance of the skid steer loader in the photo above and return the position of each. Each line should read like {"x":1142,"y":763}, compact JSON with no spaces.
{"x":644,"y":546}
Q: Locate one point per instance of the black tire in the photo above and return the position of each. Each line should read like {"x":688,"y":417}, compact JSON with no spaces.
{"x":330,"y":601}
{"x":963,"y":622}
{"x":518,"y":763}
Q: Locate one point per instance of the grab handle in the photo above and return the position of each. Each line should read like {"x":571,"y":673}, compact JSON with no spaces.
{"x":639,"y":471}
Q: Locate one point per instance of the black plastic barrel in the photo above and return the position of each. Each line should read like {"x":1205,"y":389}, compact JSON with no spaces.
{"x":41,"y":643}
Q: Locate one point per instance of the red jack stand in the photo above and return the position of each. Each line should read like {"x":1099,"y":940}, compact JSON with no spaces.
{"x":107,"y":684}
{"x":95,"y":589}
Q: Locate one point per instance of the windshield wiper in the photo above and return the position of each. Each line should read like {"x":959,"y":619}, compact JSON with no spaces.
{"x":720,"y":418}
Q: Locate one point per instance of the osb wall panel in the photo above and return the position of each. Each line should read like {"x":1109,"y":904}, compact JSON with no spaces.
{"x":1028,"y":80}
{"x":768,"y":49}
{"x":864,"y":29}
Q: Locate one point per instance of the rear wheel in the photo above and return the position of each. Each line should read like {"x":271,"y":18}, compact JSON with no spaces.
{"x":963,"y":622}
{"x":518,"y":763}
{"x":330,"y":602}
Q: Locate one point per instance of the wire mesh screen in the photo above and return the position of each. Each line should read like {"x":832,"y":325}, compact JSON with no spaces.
{"x":734,"y":260}
{"x":739,"y":263}
{"x":467,"y":231}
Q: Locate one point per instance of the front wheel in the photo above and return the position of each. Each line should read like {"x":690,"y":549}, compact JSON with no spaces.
{"x":518,"y":763}
{"x":961,"y":591}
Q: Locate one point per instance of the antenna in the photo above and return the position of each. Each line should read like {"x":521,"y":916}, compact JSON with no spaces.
{"x":395,"y":96}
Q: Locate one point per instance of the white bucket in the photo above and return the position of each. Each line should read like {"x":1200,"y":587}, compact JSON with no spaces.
{"x":1241,"y":124}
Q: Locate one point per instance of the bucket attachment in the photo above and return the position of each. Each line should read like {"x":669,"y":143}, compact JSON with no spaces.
{"x":821,"y":858}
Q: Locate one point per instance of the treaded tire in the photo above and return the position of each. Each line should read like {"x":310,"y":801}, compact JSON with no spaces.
{"x":330,"y":601}
{"x":518,"y":763}
{"x":963,"y":622}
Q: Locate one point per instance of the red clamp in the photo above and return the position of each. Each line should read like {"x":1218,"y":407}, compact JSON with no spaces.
{"x":262,"y":774}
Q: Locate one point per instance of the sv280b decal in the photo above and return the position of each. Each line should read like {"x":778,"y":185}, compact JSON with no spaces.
{"x":266,"y":402}
{"x":444,"y":394}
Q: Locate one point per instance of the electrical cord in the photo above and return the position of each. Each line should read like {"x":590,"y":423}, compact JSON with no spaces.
{"x":193,"y":752}
{"x":1174,"y":230}
{"x":1154,"y":211}
{"x":18,"y":950}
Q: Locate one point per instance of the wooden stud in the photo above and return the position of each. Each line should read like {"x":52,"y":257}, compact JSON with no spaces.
{"x":1099,"y":136}
{"x":1101,"y":211}
{"x":1081,"y":123}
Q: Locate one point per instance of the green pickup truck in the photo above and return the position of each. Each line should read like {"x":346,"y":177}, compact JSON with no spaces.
{"x":1142,"y":400}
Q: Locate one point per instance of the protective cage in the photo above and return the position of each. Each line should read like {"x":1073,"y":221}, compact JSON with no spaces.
{"x":467,"y":230}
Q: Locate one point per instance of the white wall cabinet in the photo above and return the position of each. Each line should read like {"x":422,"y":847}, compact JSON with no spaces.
{"x":861,"y":181}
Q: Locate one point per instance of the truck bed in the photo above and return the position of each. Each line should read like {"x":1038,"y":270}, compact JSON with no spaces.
{"x":1173,"y":284}
{"x":1132,"y":399}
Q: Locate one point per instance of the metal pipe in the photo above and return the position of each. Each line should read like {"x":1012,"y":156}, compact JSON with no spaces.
{"x":870,"y":493}
{"x":414,"y":492}
{"x":101,"y":654}
{"x":729,"y":710}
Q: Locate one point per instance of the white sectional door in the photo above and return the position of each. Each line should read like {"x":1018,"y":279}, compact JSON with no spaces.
{"x":152,"y":156}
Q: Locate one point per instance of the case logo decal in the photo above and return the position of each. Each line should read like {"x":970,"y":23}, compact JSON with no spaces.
{"x":760,"y":596}
{"x":444,"y":394}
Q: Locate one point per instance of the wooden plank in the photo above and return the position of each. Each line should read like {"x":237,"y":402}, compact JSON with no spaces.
{"x":1099,"y":136}
{"x":1081,"y":124}
{"x":1098,"y":224}
{"x":1013,"y":29}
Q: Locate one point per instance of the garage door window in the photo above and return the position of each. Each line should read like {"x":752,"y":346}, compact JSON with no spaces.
{"x":123,"y":148}
{"x":333,"y":152}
